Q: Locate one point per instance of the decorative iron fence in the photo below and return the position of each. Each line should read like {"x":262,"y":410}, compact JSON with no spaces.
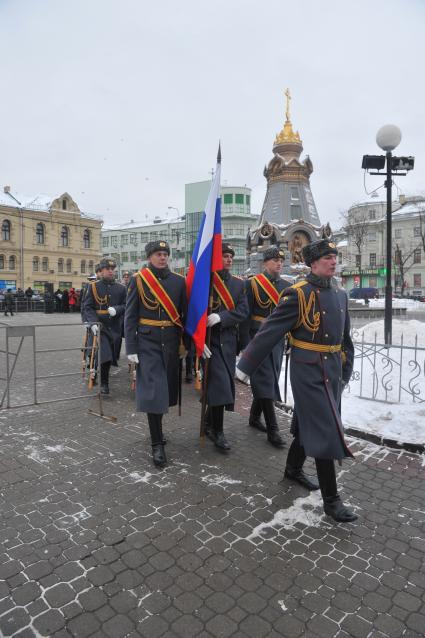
{"x":394,"y":374}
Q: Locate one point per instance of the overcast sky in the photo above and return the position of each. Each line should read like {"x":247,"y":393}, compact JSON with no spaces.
{"x":121,"y":102}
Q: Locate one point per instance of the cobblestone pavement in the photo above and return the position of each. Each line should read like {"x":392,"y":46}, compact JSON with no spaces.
{"x":97,"y":542}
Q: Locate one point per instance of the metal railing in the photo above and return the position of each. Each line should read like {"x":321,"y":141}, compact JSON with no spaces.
{"x":388,"y":374}
{"x":31,"y":383}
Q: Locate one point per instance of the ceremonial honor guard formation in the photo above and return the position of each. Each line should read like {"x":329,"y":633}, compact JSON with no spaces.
{"x":257,"y":321}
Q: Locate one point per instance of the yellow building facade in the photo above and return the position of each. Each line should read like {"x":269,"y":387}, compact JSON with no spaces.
{"x":45,"y":240}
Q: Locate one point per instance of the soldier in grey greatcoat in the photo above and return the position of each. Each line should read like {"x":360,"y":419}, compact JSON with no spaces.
{"x":315,"y":315}
{"x":104,"y":303}
{"x":229,"y":309}
{"x":263,"y":293}
{"x":153,"y":339}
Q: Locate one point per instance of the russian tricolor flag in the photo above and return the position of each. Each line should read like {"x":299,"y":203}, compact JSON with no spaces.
{"x":206,"y":259}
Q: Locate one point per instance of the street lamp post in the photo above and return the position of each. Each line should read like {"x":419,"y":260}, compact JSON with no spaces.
{"x":388,"y":138}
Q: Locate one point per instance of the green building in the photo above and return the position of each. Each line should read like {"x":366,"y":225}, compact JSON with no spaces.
{"x":236,"y":218}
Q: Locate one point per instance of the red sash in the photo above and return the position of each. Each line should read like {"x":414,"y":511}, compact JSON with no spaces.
{"x":268,"y":288}
{"x":223,"y":292}
{"x":160,"y":295}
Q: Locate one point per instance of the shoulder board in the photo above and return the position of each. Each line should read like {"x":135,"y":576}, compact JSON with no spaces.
{"x":299,"y":284}
{"x":178,"y":274}
{"x":237,"y":277}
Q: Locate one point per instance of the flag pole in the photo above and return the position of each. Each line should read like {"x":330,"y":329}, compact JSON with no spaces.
{"x":205,"y":379}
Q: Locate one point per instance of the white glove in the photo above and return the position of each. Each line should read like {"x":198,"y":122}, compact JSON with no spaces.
{"x":207,"y":352}
{"x":95,"y":329}
{"x":112,"y":311}
{"x":242,"y":377}
{"x":133,"y":358}
{"x":212,"y":319}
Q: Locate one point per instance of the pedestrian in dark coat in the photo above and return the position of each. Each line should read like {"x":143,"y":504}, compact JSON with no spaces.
{"x":105,"y":303}
{"x":58,"y":300}
{"x":8,"y":302}
{"x":154,"y":319}
{"x":263,"y":294}
{"x":229,"y":309}
{"x":65,"y":301}
{"x":316,"y":316}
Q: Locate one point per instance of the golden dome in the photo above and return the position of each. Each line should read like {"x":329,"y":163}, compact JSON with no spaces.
{"x":287,"y":134}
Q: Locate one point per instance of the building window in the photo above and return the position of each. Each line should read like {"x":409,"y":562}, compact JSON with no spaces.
{"x":238,"y":198}
{"x":91,"y":267}
{"x":12,"y":262}
{"x":1,"y":262}
{"x":371,"y":236}
{"x":132,"y":238}
{"x":358,"y":261}
{"x":340,"y":258}
{"x":86,"y":238}
{"x":417,"y":231}
{"x":248,"y":200}
{"x":372,"y":214}
{"x":69,"y":265}
{"x":124,"y":256}
{"x":39,"y":234}
{"x":35,"y":264}
{"x":154,"y":235}
{"x":398,"y":233}
{"x":372,"y":260}
{"x":64,"y":236}
{"x":417,"y":281}
{"x":124,"y":240}
{"x":144,"y":238}
{"x":60,"y":265}
{"x":45,"y":264}
{"x":295,"y":211}
{"x":295,"y":196}
{"x":64,"y":204}
{"x":114,"y":241}
{"x":417,"y":256}
{"x":83,"y":267}
{"x":133,"y":257}
{"x":105,"y":242}
{"x":228,"y":198}
{"x":5,"y":230}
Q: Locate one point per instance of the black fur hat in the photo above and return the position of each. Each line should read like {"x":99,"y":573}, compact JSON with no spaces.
{"x":317,"y":249}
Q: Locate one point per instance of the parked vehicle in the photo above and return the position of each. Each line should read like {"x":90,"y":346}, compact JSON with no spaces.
{"x":364,"y":293}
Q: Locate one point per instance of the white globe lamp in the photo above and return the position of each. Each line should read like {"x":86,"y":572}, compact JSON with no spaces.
{"x":388,"y":137}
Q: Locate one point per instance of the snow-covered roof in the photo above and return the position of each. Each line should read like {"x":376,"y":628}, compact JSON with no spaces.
{"x":411,"y":208}
{"x":138,"y":224}
{"x":342,"y":244}
{"x":34,"y":202}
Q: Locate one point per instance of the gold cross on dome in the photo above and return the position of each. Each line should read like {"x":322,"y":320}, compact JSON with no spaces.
{"x":288,"y":99}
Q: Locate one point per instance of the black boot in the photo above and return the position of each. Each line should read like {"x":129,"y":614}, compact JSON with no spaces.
{"x":294,"y":466}
{"x":217,"y":414}
{"x":255,"y":416}
{"x":273,"y":435}
{"x":104,"y":377}
{"x":155,"y":427}
{"x":208,"y":425}
{"x":332,"y":503}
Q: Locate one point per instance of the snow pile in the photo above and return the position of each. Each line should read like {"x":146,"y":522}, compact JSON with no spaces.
{"x":406,"y":329}
{"x":386,"y":395}
{"x":409,"y":304}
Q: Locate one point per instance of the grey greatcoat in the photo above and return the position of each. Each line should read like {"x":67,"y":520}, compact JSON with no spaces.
{"x":265,"y":379}
{"x":157,"y":347}
{"x":112,"y":294}
{"x":316,"y":377}
{"x":224,"y":343}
